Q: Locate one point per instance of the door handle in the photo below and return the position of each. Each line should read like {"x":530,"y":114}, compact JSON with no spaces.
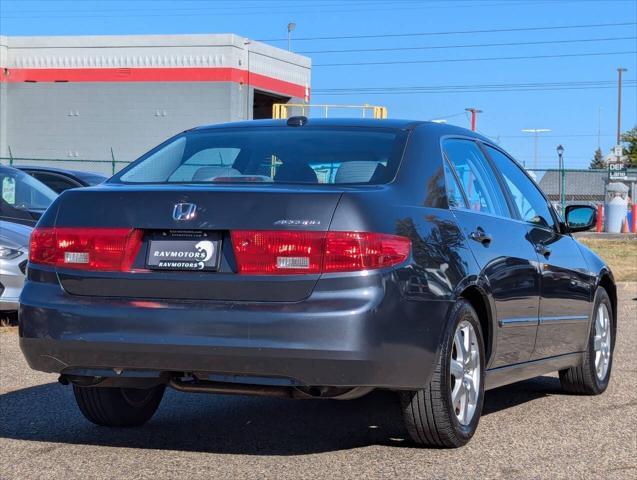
{"x":480,"y":236}
{"x":543,"y":250}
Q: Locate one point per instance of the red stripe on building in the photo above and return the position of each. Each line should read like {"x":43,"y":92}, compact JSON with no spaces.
{"x":173,"y":74}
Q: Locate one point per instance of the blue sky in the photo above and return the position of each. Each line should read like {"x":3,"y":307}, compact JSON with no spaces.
{"x":429,"y":59}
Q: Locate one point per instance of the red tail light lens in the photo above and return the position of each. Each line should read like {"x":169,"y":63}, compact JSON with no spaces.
{"x":296,"y":252}
{"x":351,"y":251}
{"x":278,"y":252}
{"x":101,"y":249}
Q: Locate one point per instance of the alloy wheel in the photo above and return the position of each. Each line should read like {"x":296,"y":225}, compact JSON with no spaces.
{"x":465,"y":372}
{"x":602,"y":341}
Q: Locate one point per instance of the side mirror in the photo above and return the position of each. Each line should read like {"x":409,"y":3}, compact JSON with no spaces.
{"x":580,"y":218}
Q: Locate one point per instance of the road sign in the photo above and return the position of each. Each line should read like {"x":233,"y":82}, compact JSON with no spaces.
{"x":617,"y":171}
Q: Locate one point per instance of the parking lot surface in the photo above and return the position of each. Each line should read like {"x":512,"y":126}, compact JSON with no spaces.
{"x":528,"y":430}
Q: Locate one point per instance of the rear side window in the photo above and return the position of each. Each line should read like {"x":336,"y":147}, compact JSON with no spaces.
{"x":477,"y":179}
{"x":531,"y":204}
{"x":291,"y":155}
{"x":454,"y":191}
{"x":55,"y":182}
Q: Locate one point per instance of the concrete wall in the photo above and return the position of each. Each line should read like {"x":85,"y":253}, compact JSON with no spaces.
{"x":49,"y":110}
{"x":86,"y":120}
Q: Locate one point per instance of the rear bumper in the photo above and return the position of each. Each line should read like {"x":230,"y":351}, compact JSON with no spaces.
{"x":350,"y":332}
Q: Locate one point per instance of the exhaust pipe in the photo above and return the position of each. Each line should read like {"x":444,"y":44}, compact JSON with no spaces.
{"x":230,"y":388}
{"x":205,"y":386}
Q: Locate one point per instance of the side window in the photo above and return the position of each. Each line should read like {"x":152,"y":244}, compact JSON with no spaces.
{"x":454,"y":192}
{"x":476,"y":177}
{"x":531,"y":204}
{"x":55,"y":182}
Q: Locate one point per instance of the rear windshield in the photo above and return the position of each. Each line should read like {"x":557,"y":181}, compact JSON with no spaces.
{"x":291,"y":155}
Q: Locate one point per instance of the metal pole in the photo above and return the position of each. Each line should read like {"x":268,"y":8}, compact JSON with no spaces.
{"x":112,"y":161}
{"x":535,"y":132}
{"x":563,"y":183}
{"x":10,"y":155}
{"x":619,"y":104}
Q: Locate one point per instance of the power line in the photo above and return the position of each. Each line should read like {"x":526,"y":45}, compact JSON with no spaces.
{"x":471,"y":45}
{"x":470,"y":86}
{"x":239,"y":8}
{"x":242,"y":10}
{"x":547,"y":89}
{"x":479,"y":59}
{"x":455,"y":32}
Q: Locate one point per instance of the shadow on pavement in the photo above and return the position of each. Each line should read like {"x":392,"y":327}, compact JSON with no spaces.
{"x":235,"y":424}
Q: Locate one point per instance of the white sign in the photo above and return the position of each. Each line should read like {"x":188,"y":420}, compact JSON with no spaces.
{"x":617,"y":171}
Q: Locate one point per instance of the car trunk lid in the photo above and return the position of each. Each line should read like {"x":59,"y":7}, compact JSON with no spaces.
{"x":219,"y":210}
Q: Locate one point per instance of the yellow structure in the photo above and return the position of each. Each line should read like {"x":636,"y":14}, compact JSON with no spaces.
{"x":282,"y":110}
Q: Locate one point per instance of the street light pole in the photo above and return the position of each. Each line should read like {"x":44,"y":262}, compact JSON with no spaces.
{"x":535,"y":132}
{"x":619,"y":104}
{"x":291,"y":27}
{"x":560,"y":155}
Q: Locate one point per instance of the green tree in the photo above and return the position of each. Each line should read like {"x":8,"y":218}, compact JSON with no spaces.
{"x":598,"y":160}
{"x":629,"y":139}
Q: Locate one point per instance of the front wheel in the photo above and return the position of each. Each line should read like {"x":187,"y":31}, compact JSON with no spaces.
{"x":446,"y":412}
{"x":118,"y":407}
{"x":592,"y":376}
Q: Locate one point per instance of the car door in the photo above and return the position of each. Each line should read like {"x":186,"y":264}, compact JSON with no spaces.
{"x":564,"y":313}
{"x":500,"y":246}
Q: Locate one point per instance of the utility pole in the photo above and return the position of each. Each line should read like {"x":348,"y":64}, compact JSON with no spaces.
{"x":619,"y":103}
{"x":599,"y":128}
{"x":474,"y":117}
{"x":535,"y":132}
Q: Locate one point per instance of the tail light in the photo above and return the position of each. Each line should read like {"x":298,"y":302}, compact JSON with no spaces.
{"x":102,"y":249}
{"x":283,"y":252}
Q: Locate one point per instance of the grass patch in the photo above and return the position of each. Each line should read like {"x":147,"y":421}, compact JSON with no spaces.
{"x":621,"y":256}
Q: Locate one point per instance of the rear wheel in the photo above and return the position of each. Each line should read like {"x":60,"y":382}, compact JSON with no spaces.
{"x":592,"y":376}
{"x":446,"y":412}
{"x":118,"y":407}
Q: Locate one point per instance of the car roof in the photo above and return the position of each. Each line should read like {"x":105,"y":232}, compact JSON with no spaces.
{"x":336,"y":122}
{"x":440,"y":129}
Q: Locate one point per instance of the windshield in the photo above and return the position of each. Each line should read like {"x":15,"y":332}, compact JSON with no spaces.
{"x":291,"y":155}
{"x":23,"y":192}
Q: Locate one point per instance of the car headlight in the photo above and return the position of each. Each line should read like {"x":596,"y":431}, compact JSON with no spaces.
{"x":7,"y":253}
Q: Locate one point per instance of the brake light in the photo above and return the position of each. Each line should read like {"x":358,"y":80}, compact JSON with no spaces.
{"x":281,"y":252}
{"x":101,"y":249}
{"x":350,"y":251}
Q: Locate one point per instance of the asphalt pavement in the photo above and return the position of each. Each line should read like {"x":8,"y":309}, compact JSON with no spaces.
{"x":528,"y":430}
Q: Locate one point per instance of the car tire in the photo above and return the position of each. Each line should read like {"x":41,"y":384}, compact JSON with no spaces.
{"x":432,"y":415}
{"x":118,"y":407}
{"x":592,"y":376}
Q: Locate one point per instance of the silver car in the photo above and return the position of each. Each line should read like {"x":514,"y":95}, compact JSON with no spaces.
{"x":14,"y":251}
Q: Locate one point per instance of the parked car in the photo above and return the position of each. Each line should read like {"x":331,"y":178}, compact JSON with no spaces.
{"x":23,"y":199}
{"x":14,"y":248}
{"x":425,"y":261}
{"x":59,"y":179}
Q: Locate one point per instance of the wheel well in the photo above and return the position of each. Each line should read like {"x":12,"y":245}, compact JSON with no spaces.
{"x":480,"y":304}
{"x":606,"y":282}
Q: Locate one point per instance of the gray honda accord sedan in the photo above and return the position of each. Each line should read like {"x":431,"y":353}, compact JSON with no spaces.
{"x":315,"y":258}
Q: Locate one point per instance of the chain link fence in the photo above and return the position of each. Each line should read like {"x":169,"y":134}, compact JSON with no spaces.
{"x":104,"y":167}
{"x":577,"y":185}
